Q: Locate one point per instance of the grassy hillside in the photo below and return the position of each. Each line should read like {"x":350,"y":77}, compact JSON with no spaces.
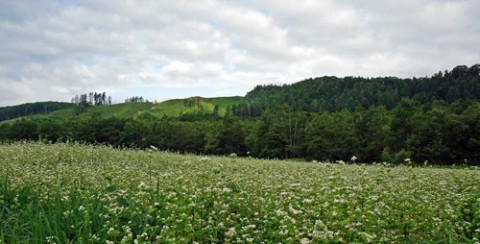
{"x":177,"y":107}
{"x":171,"y":108}
{"x":74,"y":193}
{"x":123,"y":110}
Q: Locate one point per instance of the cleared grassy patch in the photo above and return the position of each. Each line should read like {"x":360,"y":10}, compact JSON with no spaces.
{"x":75,"y":193}
{"x":123,"y":110}
{"x":176,"y":107}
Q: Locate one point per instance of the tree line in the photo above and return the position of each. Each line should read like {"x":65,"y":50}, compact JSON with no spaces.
{"x":437,"y":132}
{"x":83,"y":101}
{"x":136,"y":99}
{"x":92,"y":99}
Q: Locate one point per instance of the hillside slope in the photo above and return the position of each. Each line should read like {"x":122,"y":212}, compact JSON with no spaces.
{"x":170,"y":108}
{"x":123,"y":110}
{"x":177,"y":107}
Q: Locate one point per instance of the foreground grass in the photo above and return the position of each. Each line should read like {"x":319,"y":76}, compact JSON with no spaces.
{"x":73,"y":193}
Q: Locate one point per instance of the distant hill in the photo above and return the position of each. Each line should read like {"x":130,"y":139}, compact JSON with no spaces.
{"x":170,"y":108}
{"x":332,"y":94}
{"x":28,"y":109}
{"x":177,"y":107}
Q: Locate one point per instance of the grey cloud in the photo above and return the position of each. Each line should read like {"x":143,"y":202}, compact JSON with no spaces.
{"x":51,"y":50}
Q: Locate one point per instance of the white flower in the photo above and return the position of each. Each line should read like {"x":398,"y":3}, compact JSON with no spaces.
{"x":141,"y":185}
{"x":294,"y":211}
{"x":231,"y":232}
{"x":305,"y":241}
{"x":306,"y":201}
{"x":280,"y":212}
{"x":408,"y":161}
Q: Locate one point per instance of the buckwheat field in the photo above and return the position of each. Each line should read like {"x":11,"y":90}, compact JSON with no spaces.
{"x":70,"y":193}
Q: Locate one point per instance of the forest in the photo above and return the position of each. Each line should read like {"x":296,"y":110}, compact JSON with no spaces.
{"x":430,"y":120}
{"x":12,"y":112}
{"x":332,"y":94}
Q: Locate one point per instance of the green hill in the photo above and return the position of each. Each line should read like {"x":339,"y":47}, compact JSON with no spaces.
{"x":171,"y":108}
{"x":178,"y":107}
{"x":333,"y":94}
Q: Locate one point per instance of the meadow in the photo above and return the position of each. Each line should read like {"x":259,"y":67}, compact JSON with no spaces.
{"x":72,"y":193}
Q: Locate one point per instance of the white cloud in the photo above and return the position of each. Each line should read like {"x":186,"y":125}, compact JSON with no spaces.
{"x":52,"y":50}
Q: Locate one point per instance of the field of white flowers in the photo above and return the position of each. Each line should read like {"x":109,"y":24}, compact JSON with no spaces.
{"x":74,"y":193}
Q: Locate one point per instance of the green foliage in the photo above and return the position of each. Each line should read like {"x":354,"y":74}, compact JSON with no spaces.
{"x":401,"y":125}
{"x":402,"y":157}
{"x":370,"y":129}
{"x":280,"y":133}
{"x":231,"y":138}
{"x":332,"y":137}
{"x":439,"y":133}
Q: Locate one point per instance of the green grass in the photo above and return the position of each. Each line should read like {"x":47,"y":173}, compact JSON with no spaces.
{"x":176,"y":107}
{"x":67,"y":193}
{"x":123,"y":110}
{"x":171,"y":108}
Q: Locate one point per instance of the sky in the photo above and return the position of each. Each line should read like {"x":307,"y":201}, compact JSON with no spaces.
{"x":162,"y":49}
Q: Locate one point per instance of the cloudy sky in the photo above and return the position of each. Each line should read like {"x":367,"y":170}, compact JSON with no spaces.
{"x":161,"y":49}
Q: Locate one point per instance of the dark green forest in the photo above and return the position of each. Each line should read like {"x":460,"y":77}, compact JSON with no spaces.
{"x":28,"y":109}
{"x":426,"y":120}
{"x":332,"y":94}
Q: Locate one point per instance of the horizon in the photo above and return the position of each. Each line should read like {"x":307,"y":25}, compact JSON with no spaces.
{"x":116,"y":101}
{"x":52,"y":50}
